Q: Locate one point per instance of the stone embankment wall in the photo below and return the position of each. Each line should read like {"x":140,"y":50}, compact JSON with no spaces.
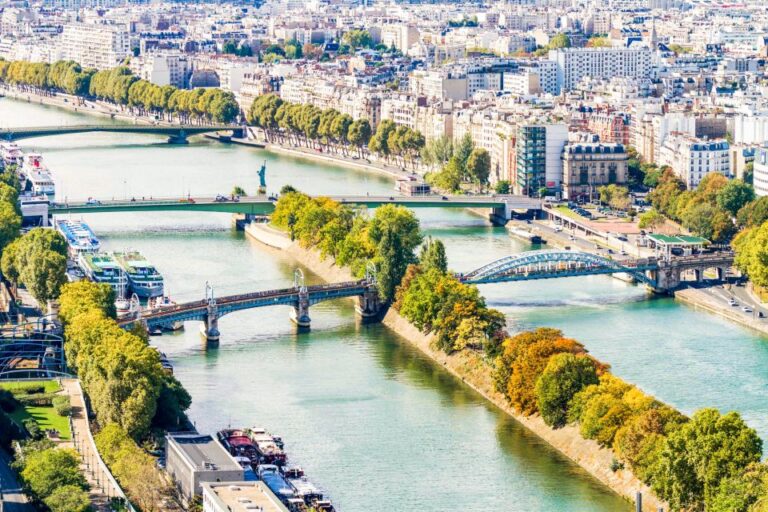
{"x":471,"y":368}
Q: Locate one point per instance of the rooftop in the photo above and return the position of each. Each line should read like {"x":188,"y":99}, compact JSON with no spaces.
{"x":677,"y":239}
{"x":202,"y":450}
{"x":242,"y":497}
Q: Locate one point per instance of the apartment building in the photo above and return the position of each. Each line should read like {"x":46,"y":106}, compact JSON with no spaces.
{"x":760,"y":177}
{"x":94,"y":45}
{"x":166,"y":68}
{"x":589,"y":165}
{"x":573,"y":64}
{"x":610,"y":126}
{"x":358,"y":102}
{"x":692,"y":158}
{"x":536,"y":158}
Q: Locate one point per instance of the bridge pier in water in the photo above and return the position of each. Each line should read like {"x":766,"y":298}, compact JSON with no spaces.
{"x":368,"y":304}
{"x":210,"y":327}
{"x":300,"y":312}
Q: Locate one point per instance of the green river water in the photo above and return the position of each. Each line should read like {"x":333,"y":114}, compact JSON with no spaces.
{"x":372,"y":421}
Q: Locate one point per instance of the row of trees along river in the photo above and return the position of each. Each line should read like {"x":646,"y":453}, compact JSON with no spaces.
{"x":345,"y":394}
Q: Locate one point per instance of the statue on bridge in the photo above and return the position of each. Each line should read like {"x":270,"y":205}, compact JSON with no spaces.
{"x":263,"y":178}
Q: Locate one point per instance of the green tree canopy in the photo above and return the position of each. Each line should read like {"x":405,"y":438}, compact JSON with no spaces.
{"x":734,"y":195}
{"x":564,"y":376}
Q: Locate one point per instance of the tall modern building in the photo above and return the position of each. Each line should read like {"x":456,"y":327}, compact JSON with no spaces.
{"x":95,"y":46}
{"x":573,"y":64}
{"x":537,"y":162}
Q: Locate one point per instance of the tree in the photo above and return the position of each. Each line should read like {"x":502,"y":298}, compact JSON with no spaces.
{"x":449,"y":179}
{"x":479,"y":166}
{"x":699,"y":456}
{"x":564,"y":376}
{"x":734,"y":195}
{"x":433,"y":256}
{"x":615,"y":196}
{"x":82,"y":296}
{"x":651,"y":220}
{"x":437,"y":151}
{"x":749,"y":173}
{"x":560,"y":40}
{"x":524,"y":358}
{"x":751,"y":247}
{"x":357,"y":39}
{"x":502,"y":187}
{"x":44,"y":273}
{"x":47,"y":470}
{"x":238,"y":191}
{"x":753,"y":213}
{"x":69,"y":498}
{"x":739,"y":493}
{"x":10,"y":223}
{"x":462,"y":151}
{"x":708,"y":221}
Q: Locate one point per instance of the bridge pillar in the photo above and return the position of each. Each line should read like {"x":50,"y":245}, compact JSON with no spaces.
{"x":210,"y":327}
{"x":667,"y":278}
{"x":181,"y":138}
{"x":720,"y":273}
{"x":698,"y":274}
{"x":368,"y":304}
{"x":300,"y":312}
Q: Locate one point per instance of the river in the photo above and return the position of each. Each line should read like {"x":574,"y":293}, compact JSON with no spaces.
{"x":372,"y":421}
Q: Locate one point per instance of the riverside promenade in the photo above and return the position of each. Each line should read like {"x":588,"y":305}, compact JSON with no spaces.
{"x":104,"y":488}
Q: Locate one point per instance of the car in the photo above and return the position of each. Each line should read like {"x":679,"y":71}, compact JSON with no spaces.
{"x":445,"y":198}
{"x":746,"y":309}
{"x":93,"y":201}
{"x":558,"y":229}
{"x":623,"y":252}
{"x":571,"y":237}
{"x":611,"y":251}
{"x":733,"y":302}
{"x":622,"y":238}
{"x":220,"y":199}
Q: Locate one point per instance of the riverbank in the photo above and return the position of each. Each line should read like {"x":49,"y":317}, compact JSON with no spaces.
{"x":701,"y":299}
{"x":472,"y":370}
{"x":79,"y":105}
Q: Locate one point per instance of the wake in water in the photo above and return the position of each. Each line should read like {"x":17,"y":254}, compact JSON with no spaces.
{"x":598,"y":302}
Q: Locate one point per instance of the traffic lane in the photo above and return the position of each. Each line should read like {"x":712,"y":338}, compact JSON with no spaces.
{"x":737,"y":293}
{"x":13,"y":499}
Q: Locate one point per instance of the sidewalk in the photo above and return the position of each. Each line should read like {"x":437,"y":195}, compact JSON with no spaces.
{"x":103,"y":487}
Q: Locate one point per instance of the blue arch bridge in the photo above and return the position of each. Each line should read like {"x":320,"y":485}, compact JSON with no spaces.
{"x":659,"y":275}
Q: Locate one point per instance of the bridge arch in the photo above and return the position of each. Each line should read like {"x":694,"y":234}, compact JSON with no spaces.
{"x":548,"y":264}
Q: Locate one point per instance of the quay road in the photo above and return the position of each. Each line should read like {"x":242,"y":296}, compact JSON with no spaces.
{"x":263,"y":205}
{"x":12,"y":499}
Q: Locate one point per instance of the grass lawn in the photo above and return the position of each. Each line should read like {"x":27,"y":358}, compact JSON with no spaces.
{"x":569,"y":213}
{"x":45,"y":417}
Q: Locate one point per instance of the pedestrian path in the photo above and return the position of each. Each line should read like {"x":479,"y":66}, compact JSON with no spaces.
{"x":104,"y":488}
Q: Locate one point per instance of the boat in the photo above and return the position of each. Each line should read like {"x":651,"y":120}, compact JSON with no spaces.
{"x":11,"y":153}
{"x":270,"y":452}
{"x":238,"y":444}
{"x":525,"y":235}
{"x":143,"y":278}
{"x":270,"y":475}
{"x":102,"y":268}
{"x":79,"y":236}
{"x":164,"y":302}
{"x":303,"y":488}
{"x":40,"y":183}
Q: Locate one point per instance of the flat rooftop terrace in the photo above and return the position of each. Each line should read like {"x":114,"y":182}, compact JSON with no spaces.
{"x":242,"y":497}
{"x":204,"y":449}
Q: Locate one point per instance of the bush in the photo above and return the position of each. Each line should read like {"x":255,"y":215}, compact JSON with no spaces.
{"x":28,"y":389}
{"x":62,"y":406}
{"x":32,"y":428}
{"x":37,"y":400}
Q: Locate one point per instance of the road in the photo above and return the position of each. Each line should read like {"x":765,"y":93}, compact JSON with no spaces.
{"x":742,"y":298}
{"x":12,"y":497}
